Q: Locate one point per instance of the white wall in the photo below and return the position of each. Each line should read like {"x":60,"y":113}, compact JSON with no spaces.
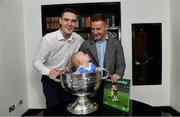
{"x":148,"y":11}
{"x":132,"y":11}
{"x":13,"y":84}
{"x":32,"y":34}
{"x":1,"y":79}
{"x":175,"y":64}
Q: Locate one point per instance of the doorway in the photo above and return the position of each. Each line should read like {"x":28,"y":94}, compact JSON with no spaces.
{"x":147,"y":53}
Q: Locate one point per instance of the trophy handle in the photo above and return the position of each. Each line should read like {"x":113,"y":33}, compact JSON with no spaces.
{"x":57,"y":80}
{"x":107,"y":73}
{"x":60,"y":80}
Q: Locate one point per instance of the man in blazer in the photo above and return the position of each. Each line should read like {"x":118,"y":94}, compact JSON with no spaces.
{"x":105,"y":50}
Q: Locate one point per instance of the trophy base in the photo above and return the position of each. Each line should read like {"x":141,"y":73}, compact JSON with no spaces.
{"x":82,"y":106}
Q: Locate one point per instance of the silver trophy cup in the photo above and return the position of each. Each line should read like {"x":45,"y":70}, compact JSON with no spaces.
{"x":82,"y":85}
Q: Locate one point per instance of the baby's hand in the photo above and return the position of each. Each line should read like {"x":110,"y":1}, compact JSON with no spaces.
{"x":68,"y":68}
{"x":76,"y":73}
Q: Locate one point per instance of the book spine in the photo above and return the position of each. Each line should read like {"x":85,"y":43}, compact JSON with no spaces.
{"x":82,"y":22}
{"x":88,"y":21}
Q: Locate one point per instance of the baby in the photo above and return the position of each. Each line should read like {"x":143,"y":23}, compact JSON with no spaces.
{"x":81,"y":62}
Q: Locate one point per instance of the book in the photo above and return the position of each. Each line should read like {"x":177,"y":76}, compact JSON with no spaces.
{"x":82,"y":22}
{"x":52,"y":23}
{"x":116,"y":95}
{"x":88,"y":21}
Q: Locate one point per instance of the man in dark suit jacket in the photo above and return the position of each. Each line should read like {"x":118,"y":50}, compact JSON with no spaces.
{"x":105,"y":50}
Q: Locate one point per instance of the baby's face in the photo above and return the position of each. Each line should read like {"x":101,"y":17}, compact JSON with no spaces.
{"x":80,"y":59}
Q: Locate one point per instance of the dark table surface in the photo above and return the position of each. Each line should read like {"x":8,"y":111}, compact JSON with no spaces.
{"x":135,"y":109}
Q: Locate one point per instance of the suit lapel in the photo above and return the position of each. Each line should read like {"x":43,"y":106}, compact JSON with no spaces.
{"x":108,"y":50}
{"x":93,"y":51}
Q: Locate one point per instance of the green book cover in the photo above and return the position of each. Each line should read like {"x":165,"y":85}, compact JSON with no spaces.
{"x":116,"y":94}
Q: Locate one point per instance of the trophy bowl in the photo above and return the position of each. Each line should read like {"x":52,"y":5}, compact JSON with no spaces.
{"x":82,"y":85}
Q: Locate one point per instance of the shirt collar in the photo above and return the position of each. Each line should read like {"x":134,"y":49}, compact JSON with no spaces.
{"x":105,"y":38}
{"x":60,"y":36}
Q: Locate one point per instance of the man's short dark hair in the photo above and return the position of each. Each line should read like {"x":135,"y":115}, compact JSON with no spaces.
{"x":99,"y":17}
{"x":71,"y":10}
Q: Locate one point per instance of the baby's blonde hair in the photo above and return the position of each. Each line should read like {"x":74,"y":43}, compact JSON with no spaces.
{"x":74,"y":59}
